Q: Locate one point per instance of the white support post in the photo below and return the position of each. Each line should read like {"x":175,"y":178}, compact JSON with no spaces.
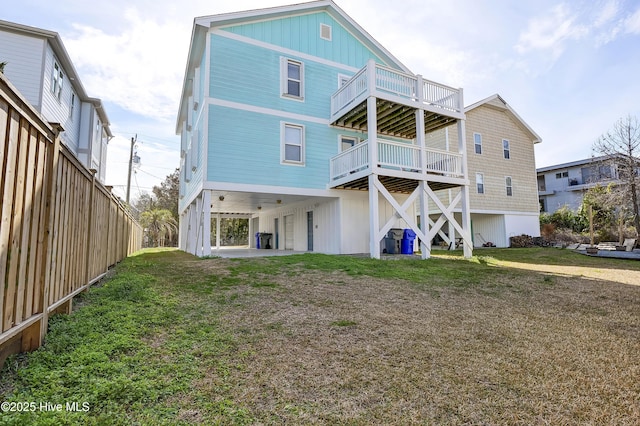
{"x":374,"y":218}
{"x":464,"y":189}
{"x":198,"y":251}
{"x":425,"y":246}
{"x":206,"y":223}
{"x":218,"y":231}
{"x":191,"y":231}
{"x":372,"y":130}
{"x":420,"y":136}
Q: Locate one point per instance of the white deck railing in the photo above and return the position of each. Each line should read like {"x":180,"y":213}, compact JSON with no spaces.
{"x":399,"y":85}
{"x":349,"y":161}
{"x":396,"y":155}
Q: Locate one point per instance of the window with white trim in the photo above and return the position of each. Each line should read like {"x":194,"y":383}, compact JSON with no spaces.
{"x":507,"y":181}
{"x":480,"y":183}
{"x":292,"y":150}
{"x":347,"y":142}
{"x":505,"y":149}
{"x":292,"y":78}
{"x":56,"y":81}
{"x":477,"y":142}
{"x":325,"y":32}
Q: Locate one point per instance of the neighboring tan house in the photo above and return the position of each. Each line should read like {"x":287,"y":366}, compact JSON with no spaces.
{"x":297,"y":119}
{"x":40,"y":68}
{"x":565,"y":184}
{"x":501,"y":166}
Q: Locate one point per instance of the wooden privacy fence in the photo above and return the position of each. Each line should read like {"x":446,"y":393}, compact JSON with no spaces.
{"x":60,"y":228}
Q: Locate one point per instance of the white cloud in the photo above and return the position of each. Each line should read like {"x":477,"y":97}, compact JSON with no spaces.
{"x":632,"y":23}
{"x":139,"y":69}
{"x":550,"y":33}
{"x":607,"y":14}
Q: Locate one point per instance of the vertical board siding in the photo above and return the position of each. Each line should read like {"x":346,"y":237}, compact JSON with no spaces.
{"x":60,"y":229}
{"x":302,"y":33}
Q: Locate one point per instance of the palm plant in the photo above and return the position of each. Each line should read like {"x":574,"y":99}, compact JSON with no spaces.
{"x":159,"y":224}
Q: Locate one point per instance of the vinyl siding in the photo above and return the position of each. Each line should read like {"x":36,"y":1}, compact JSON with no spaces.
{"x":57,"y":110}
{"x":244,"y":147}
{"x":302,"y":33}
{"x":249,"y":74}
{"x":494,"y":126}
{"x":325,"y":219}
{"x":24,"y":68}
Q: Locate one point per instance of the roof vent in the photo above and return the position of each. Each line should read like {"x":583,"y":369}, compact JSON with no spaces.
{"x":325,"y":32}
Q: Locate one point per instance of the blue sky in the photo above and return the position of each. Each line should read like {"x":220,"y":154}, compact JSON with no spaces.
{"x":570,"y":69}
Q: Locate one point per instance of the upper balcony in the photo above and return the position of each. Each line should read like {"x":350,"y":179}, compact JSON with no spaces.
{"x":398,"y":96}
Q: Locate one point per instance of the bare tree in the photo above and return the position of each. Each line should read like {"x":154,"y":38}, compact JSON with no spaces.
{"x":622,"y":143}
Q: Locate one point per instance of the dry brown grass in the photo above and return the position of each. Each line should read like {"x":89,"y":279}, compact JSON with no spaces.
{"x":551,"y":345}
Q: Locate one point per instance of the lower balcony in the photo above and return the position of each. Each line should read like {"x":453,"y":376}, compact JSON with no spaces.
{"x":400,"y":165}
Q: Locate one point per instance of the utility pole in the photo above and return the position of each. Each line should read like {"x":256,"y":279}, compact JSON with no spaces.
{"x":133,"y":142}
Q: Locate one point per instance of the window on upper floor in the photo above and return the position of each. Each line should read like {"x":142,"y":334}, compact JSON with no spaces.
{"x":342,"y":79}
{"x":347,"y":142}
{"x":292,"y":149}
{"x":505,"y":149}
{"x":292,"y":78}
{"x":477,"y":142}
{"x":73,"y":105}
{"x":562,"y":175}
{"x":57,"y":79}
{"x":507,"y":181}
{"x":480,"y":183}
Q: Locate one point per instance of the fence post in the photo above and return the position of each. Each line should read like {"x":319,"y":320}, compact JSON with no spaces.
{"x":44,"y":278}
{"x":87,"y":273}
{"x":108,"y":235}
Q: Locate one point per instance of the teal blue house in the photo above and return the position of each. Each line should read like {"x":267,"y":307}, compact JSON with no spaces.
{"x":297,"y":119}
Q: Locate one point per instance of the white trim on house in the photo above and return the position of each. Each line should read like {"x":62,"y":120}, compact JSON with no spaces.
{"x":476,"y":144}
{"x":480,"y":181}
{"x":268,"y":111}
{"x":270,"y":189}
{"x":285,"y":140}
{"x":328,"y":6}
{"x":285,"y":78}
{"x":506,"y":149}
{"x":341,"y":138}
{"x":325,"y":32}
{"x":282,"y":50}
{"x":536,"y":138}
{"x":342,"y":79}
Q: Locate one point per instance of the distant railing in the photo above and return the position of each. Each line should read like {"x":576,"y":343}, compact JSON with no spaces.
{"x":396,"y":84}
{"x":60,"y":228}
{"x":443,"y":162}
{"x":350,"y":161}
{"x":396,"y":155}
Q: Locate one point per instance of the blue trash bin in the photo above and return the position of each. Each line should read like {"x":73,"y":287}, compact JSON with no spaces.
{"x":257,"y":240}
{"x":406,"y":244}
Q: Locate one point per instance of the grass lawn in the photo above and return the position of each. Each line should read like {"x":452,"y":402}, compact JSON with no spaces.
{"x":512,"y":336}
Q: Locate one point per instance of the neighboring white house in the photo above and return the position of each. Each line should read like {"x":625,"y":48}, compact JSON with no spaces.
{"x":565,"y":184}
{"x":40,"y":68}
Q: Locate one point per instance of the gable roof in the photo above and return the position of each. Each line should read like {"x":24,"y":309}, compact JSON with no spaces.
{"x":497,"y":102}
{"x":579,"y":163}
{"x":55,"y":41}
{"x":202,"y":24}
